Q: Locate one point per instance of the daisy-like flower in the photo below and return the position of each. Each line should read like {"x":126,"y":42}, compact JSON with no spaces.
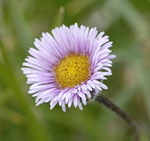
{"x":69,"y":66}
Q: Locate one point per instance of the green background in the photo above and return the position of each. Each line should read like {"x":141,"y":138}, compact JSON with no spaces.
{"x":125,"y":21}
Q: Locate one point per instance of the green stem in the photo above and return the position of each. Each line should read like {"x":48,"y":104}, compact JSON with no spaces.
{"x":110,"y":105}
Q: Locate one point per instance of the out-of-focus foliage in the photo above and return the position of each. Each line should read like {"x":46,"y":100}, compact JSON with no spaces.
{"x":126,"y":21}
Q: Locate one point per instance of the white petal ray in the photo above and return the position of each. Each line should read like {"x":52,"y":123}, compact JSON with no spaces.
{"x":39,"y":66}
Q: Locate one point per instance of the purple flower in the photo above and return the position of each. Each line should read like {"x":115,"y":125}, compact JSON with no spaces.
{"x":69,"y":66}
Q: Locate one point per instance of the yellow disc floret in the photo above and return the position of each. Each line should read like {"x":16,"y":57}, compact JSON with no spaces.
{"x":72,"y":70}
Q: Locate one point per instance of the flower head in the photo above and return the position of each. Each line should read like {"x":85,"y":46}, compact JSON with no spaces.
{"x":69,"y":66}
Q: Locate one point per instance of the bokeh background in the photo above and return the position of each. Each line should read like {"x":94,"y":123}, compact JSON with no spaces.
{"x":125,"y":21}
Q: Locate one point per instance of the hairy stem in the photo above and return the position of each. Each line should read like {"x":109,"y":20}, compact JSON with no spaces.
{"x":110,"y":105}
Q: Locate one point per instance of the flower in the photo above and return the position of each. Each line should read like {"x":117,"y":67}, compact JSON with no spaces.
{"x":69,"y":66}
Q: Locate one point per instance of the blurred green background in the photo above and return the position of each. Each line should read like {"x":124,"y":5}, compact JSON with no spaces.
{"x":125,"y":21}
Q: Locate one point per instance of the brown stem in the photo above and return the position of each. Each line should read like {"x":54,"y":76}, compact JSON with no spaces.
{"x":110,"y":105}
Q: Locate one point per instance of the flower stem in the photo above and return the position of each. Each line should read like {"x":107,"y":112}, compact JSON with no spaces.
{"x":110,"y":105}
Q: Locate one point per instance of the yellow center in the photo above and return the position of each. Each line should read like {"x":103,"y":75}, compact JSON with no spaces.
{"x":72,"y":70}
